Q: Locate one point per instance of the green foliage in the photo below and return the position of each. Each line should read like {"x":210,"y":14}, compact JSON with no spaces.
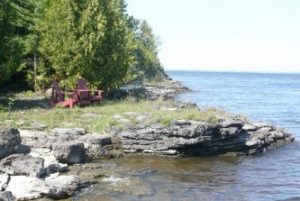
{"x":146,"y":63}
{"x":88,"y":39}
{"x":93,"y":39}
{"x":166,"y":120}
{"x":14,"y":17}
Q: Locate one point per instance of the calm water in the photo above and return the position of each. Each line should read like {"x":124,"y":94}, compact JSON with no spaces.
{"x":272,"y":98}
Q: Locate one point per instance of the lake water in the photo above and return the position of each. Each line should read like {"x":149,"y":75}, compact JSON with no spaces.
{"x":275,"y":175}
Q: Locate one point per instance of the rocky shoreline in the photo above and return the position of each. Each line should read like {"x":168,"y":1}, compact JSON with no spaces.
{"x":35,"y":163}
{"x":32,"y":163}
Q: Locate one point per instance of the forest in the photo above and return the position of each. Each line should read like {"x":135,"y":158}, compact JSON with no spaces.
{"x":43,"y":40}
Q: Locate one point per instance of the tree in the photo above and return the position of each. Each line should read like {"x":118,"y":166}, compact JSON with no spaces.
{"x":146,"y":62}
{"x":32,"y":66}
{"x":88,"y":39}
{"x":68,"y":39}
{"x":14,"y":18}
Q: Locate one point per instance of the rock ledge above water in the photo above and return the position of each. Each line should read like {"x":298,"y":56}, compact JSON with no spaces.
{"x":195,"y":138}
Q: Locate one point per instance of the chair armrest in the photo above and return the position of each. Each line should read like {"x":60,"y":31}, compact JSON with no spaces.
{"x":98,"y":93}
{"x":69,"y":93}
{"x":81,"y":91}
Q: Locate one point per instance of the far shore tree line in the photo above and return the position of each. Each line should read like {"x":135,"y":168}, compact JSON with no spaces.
{"x":42,"y":40}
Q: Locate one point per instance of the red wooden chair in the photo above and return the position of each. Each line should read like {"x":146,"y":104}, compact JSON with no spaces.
{"x":58,"y":97}
{"x":85,"y":95}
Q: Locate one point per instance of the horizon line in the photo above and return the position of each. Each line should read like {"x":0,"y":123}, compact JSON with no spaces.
{"x":232,"y":71}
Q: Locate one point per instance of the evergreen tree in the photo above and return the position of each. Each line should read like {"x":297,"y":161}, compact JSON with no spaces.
{"x":14,"y":20}
{"x":146,"y":62}
{"x":88,"y":39}
{"x":67,"y":39}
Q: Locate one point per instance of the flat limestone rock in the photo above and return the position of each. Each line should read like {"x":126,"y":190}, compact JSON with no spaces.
{"x":54,"y":186}
{"x":19,"y":164}
{"x":192,"y":138}
{"x":69,"y":131}
{"x":27,"y":188}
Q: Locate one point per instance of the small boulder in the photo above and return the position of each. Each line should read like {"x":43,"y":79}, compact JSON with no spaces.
{"x":9,"y":141}
{"x":62,"y":186}
{"x":69,"y":152}
{"x":51,"y":165}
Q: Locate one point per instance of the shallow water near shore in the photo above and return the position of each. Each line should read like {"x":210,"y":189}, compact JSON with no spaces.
{"x":275,"y":175}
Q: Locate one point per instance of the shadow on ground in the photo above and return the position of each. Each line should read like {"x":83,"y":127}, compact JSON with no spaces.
{"x":9,"y":102}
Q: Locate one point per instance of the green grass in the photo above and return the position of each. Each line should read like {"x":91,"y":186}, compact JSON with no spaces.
{"x":112,"y":113}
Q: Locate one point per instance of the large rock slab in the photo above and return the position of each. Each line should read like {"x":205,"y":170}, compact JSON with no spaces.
{"x":70,"y":152}
{"x":194,"y":138}
{"x":55,"y":186}
{"x":9,"y":141}
{"x":19,"y":164}
{"x":27,"y":188}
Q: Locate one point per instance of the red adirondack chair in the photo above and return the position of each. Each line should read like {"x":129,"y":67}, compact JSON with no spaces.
{"x":86,"y":96}
{"x":58,"y":97}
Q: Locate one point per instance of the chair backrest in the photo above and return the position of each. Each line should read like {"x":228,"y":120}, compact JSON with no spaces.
{"x":57,"y":94}
{"x":82,"y":84}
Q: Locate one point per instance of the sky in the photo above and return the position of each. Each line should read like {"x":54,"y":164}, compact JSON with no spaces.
{"x":224,"y":35}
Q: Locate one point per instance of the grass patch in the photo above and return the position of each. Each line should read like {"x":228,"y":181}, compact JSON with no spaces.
{"x":108,"y":114}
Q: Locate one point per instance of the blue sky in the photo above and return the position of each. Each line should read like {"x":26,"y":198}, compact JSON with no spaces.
{"x":225,"y":35}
